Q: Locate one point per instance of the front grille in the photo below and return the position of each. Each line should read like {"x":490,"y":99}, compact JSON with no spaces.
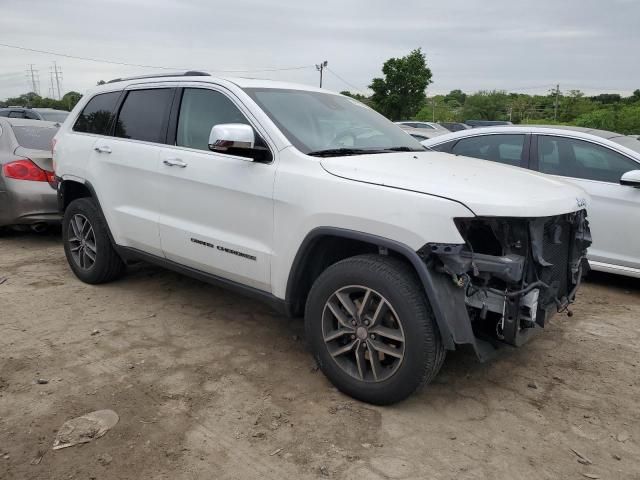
{"x":555,"y":250}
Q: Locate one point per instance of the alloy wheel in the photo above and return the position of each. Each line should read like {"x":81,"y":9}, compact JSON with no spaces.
{"x":363,"y":333}
{"x":82,"y":242}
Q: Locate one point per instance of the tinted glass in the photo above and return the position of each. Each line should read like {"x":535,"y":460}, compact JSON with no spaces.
{"x":443,"y":147}
{"x":505,"y":149}
{"x":16,"y":114}
{"x":144,"y":115}
{"x":54,"y":116}
{"x":569,"y":157}
{"x":97,"y":114}
{"x":200,"y":110}
{"x":4,"y":113}
{"x":316,"y":121}
{"x":37,"y":138}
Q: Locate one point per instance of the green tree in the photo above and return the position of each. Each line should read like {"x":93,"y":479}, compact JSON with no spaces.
{"x":401,"y":93}
{"x":455,"y":98}
{"x":485,"y":105}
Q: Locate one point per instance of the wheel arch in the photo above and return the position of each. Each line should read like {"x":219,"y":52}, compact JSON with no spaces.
{"x":70,"y":190}
{"x":324,"y":246}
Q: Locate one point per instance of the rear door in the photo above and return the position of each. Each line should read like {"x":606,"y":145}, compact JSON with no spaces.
{"x":125,"y":167}
{"x":217,"y":208}
{"x":614,"y":213}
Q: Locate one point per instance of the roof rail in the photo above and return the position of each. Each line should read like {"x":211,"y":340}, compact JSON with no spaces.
{"x":190,"y":73}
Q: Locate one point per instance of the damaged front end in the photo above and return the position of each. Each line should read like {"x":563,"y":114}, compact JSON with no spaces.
{"x":510,"y":276}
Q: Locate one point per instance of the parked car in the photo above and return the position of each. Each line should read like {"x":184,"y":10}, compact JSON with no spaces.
{"x":605,"y":164}
{"x":454,"y":126}
{"x":486,"y":123}
{"x":27,"y":184}
{"x":317,"y":204}
{"x":431,"y":126}
{"x":47,"y":114}
{"x":420,"y":134}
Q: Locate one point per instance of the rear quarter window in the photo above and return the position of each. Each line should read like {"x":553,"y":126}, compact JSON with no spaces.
{"x":36,"y":138}
{"x":97,"y":115}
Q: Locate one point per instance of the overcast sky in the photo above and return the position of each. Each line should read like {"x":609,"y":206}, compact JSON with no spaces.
{"x":515,"y":45}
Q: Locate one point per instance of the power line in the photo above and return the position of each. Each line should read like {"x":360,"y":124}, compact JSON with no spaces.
{"x":126,"y":64}
{"x":345,"y":81}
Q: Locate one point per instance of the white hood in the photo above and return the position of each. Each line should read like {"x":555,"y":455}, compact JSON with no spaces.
{"x":487,"y":188}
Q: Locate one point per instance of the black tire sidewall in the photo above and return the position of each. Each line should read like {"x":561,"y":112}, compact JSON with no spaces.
{"x":422,"y":339}
{"x":97,"y":272}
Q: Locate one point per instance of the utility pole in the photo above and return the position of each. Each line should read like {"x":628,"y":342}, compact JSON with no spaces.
{"x":34,"y":78}
{"x":433,"y":109}
{"x":320,"y":67}
{"x":510,"y":112}
{"x":57,"y":73}
{"x":555,"y":109}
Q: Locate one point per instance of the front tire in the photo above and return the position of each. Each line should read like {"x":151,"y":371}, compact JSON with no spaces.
{"x":371,"y":329}
{"x":87,"y":245}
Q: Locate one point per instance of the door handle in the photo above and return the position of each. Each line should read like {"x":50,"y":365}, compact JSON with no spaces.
{"x":174,"y":162}
{"x":102,"y":149}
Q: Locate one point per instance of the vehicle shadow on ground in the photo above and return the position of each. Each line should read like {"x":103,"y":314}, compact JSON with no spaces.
{"x":611,"y":280}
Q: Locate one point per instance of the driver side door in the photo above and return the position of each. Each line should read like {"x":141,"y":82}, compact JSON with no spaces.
{"x":217,"y":208}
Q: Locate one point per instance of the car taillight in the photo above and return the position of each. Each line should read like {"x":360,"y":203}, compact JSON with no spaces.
{"x":26,"y":170}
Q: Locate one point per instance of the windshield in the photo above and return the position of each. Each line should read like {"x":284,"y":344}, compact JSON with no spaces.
{"x":317,"y":123}
{"x":54,"y":116}
{"x":36,"y":138}
{"x":629,"y":142}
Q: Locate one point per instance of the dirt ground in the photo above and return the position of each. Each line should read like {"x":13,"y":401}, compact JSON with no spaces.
{"x":211,"y":385}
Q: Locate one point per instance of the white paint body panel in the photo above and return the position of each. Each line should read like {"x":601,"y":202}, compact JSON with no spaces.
{"x":266,"y":210}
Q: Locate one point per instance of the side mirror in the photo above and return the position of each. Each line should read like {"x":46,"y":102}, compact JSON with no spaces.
{"x":631,"y":179}
{"x":231,"y":136}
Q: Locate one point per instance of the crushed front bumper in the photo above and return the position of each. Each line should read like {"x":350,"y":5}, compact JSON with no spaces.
{"x":509,"y":278}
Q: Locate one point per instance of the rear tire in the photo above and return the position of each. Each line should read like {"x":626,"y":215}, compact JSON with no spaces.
{"x":396,"y":347}
{"x":87,"y":245}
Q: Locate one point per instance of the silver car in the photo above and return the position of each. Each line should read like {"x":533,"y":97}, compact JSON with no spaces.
{"x":27,"y":183}
{"x":605,"y":164}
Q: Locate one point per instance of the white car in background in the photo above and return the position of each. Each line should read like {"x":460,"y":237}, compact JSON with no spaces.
{"x":605,"y":164}
{"x":422,"y":130}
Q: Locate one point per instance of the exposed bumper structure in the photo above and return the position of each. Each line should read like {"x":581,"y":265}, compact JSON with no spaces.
{"x":509,"y":278}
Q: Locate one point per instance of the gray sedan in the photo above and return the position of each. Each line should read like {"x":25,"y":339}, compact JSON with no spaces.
{"x":27,"y":183}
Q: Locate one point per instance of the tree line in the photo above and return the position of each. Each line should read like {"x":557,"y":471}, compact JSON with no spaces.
{"x":401,"y":95}
{"x":32,"y":99}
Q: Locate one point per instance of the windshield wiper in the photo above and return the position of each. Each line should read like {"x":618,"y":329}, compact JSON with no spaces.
{"x":337,"y":152}
{"x":402,"y":149}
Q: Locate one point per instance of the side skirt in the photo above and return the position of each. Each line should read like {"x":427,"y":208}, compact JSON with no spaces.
{"x":132,"y":254}
{"x":616,"y":269}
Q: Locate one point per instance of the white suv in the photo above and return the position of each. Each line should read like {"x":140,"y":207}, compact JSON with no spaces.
{"x":317,"y":204}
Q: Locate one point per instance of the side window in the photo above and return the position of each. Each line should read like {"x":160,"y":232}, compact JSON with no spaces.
{"x":16,"y":114}
{"x":443,"y":147}
{"x":570,"y":157}
{"x":4,"y":113}
{"x":31,"y":115}
{"x":200,"y":110}
{"x":507,"y":149}
{"x":97,"y":114}
{"x":144,"y":115}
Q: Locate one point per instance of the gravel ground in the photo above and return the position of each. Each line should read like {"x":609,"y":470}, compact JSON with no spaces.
{"x":211,"y":385}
